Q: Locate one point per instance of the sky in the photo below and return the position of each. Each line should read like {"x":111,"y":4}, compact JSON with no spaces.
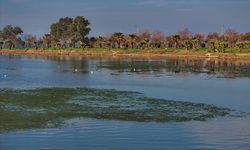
{"x":128,"y":16}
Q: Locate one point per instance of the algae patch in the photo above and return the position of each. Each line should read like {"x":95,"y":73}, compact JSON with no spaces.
{"x":49,"y":107}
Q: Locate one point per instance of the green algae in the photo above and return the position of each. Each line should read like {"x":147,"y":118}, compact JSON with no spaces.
{"x":49,"y":107}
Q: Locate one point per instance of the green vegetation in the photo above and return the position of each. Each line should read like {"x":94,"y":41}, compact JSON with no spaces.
{"x":67,"y":31}
{"x":70,"y":33}
{"x":8,"y":36}
{"x":49,"y":107}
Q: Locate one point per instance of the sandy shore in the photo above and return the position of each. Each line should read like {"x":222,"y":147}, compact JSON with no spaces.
{"x":129,"y":54}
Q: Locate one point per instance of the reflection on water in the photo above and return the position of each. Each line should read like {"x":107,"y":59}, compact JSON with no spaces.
{"x":230,"y":134}
{"x":221,"y":82}
{"x":226,"y":68}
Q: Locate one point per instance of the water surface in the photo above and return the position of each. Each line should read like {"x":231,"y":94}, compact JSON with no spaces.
{"x":219,"y":82}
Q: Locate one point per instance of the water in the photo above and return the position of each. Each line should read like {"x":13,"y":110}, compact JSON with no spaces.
{"x":223,"y":83}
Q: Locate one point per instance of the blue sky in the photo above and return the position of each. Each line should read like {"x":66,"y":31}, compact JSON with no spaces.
{"x":107,"y":16}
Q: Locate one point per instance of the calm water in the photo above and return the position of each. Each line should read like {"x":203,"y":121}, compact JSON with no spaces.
{"x":223,"y":83}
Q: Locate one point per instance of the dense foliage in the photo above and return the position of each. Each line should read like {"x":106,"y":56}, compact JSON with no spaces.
{"x":67,"y":31}
{"x":72,"y":33}
{"x":9,"y":36}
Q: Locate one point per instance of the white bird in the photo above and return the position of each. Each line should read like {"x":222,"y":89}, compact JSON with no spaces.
{"x":91,"y":72}
{"x":5,"y":76}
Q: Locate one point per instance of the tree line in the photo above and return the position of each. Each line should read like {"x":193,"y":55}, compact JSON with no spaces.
{"x":72,"y":33}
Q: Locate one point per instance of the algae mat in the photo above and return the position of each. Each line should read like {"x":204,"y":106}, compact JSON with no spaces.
{"x":49,"y":107}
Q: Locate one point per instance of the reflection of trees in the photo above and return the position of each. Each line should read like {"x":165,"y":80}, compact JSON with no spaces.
{"x":232,"y":68}
{"x":65,"y":63}
{"x":147,"y":66}
{"x":71,"y":64}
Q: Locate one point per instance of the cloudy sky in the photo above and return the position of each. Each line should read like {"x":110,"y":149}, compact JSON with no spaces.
{"x":107,"y":16}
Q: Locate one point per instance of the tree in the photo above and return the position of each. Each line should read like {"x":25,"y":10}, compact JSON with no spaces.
{"x":20,"y":42}
{"x":185,"y":35}
{"x":80,"y":28}
{"x":1,"y":44}
{"x":118,"y":38}
{"x":92,"y":42}
{"x":144,"y":34}
{"x":39,"y":43}
{"x":200,"y":39}
{"x":1,"y":40}
{"x":194,"y":42}
{"x":82,"y":44}
{"x":100,"y":41}
{"x":216,"y":45}
{"x":62,"y":30}
{"x":176,"y":38}
{"x":220,"y":46}
{"x":70,"y":30}
{"x":30,"y":40}
{"x":213,"y":39}
{"x":213,"y":35}
{"x":144,"y":38}
{"x":10,"y":34}
{"x":144,"y":43}
{"x":191,"y":43}
{"x":245,"y":36}
{"x":231,"y":37}
{"x":240,"y":46}
{"x":211,"y":44}
{"x":47,"y":40}
{"x":157,"y":39}
{"x":132,"y":40}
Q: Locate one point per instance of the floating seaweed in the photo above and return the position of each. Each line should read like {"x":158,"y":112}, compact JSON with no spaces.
{"x":49,"y":107}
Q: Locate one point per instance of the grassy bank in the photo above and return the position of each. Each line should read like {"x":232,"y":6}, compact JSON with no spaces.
{"x":200,"y":53}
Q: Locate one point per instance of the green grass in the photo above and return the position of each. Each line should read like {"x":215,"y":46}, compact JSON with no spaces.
{"x":49,"y":107}
{"x":134,"y":50}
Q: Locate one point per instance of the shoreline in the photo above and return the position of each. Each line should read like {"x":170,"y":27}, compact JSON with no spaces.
{"x":139,"y":54}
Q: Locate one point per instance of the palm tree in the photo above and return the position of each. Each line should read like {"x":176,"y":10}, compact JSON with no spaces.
{"x":240,"y":46}
{"x":132,"y":39}
{"x":100,"y":41}
{"x":81,"y":44}
{"x":247,"y":45}
{"x":144,"y":43}
{"x":212,"y":44}
{"x":231,"y":36}
{"x":188,"y":44}
{"x":194,"y":42}
{"x":47,"y":40}
{"x":216,"y":45}
{"x":176,"y":38}
{"x":118,"y":38}
{"x":1,"y":44}
{"x":92,"y":42}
